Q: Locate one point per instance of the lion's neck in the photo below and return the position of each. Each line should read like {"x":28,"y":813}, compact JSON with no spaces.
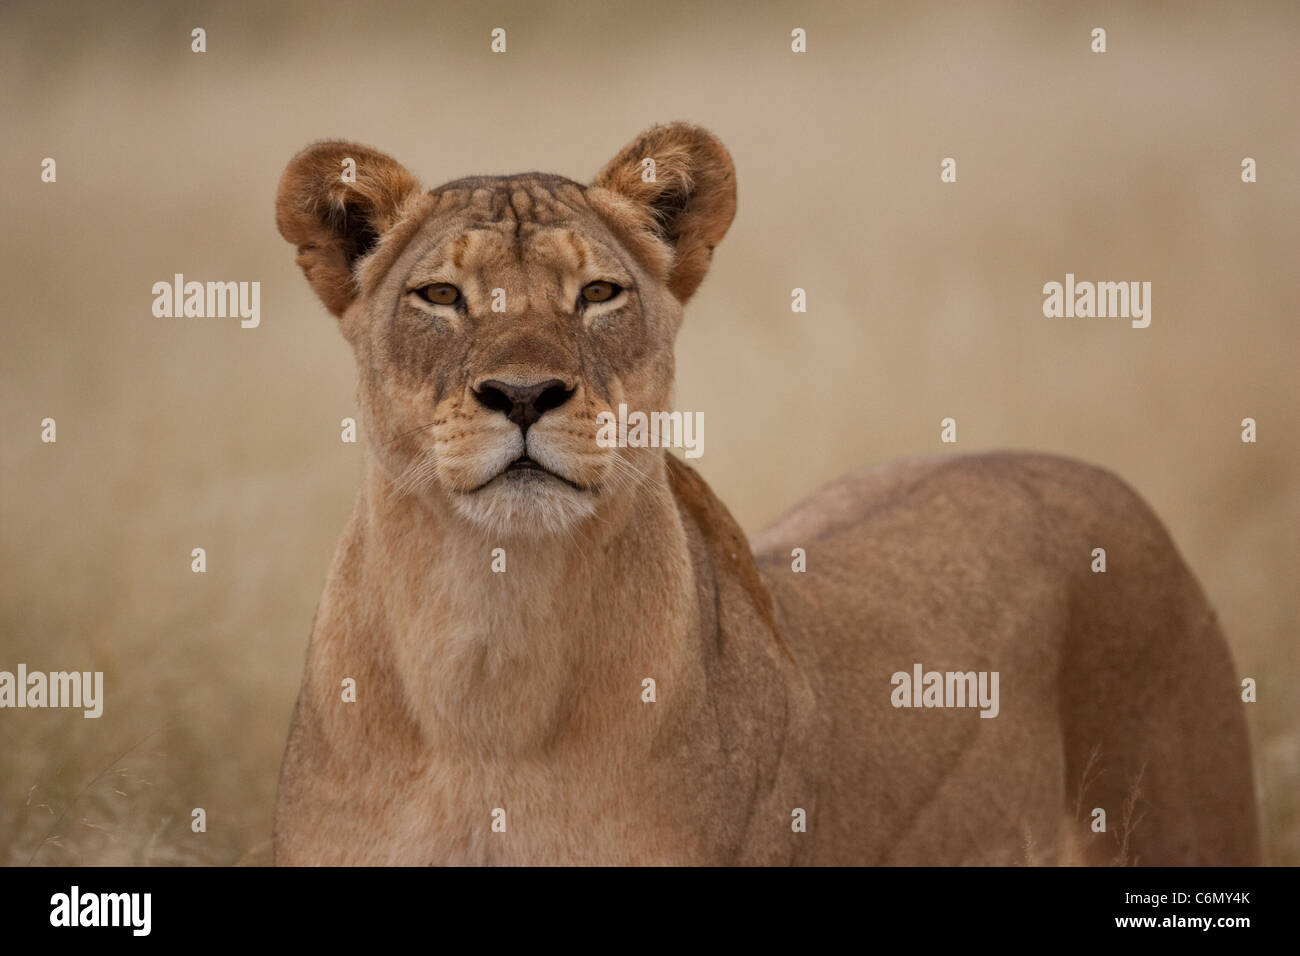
{"x":540,"y":642}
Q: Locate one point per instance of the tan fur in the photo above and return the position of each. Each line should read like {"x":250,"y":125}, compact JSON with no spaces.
{"x":522,"y":691}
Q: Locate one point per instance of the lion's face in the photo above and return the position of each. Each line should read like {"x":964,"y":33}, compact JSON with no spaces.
{"x":494,"y":319}
{"x":510,"y":320}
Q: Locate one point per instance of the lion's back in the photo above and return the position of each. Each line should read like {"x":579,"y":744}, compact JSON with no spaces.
{"x":989,"y":563}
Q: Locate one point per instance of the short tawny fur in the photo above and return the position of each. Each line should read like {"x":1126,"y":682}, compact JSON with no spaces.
{"x":517,"y":697}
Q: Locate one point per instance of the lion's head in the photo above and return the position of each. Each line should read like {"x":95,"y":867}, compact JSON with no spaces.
{"x":494,"y":318}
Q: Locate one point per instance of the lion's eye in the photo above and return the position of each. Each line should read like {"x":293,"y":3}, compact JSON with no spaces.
{"x":600,"y":291}
{"x":441,"y":293}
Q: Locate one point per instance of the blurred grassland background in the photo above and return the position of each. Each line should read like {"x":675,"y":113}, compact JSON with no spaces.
{"x":924,"y":301}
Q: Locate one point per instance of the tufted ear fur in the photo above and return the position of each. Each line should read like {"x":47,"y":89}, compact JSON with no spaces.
{"x":687,"y":206}
{"x":333,"y":222}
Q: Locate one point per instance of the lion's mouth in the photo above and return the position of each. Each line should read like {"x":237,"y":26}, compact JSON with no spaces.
{"x":524,"y":463}
{"x":524,"y":468}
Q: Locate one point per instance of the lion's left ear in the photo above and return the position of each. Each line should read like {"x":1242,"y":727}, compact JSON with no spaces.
{"x":685,"y":199}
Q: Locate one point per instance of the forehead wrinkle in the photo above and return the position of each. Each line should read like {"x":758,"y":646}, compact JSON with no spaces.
{"x":579,"y":246}
{"x":459,"y":245}
{"x":488,"y":204}
{"x":562,"y":254}
{"x":489,"y":259}
{"x":522,"y":204}
{"x":564,"y":195}
{"x":542,"y":205}
{"x":450,"y":200}
{"x":467,"y":250}
{"x":542,"y":225}
{"x":492,"y":193}
{"x":549,"y":246}
{"x":571,"y":195}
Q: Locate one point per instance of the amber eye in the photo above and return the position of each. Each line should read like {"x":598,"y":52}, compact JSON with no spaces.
{"x":440,"y":293}
{"x":600,"y":291}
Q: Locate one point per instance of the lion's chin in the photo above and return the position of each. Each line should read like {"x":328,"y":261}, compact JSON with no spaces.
{"x":526,"y":504}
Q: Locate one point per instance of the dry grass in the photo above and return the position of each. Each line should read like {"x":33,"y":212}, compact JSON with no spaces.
{"x":924,"y":302}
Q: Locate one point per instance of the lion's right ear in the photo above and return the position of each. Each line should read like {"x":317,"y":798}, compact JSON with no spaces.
{"x":335,"y":201}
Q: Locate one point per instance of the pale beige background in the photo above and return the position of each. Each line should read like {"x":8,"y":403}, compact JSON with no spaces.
{"x":924,"y":301}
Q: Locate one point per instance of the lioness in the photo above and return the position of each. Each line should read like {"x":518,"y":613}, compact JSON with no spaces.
{"x":535,"y":648}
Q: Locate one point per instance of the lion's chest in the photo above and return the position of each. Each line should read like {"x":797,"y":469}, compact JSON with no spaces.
{"x":520,"y":813}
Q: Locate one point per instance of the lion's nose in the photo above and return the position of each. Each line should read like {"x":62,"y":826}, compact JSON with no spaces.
{"x":523,"y":404}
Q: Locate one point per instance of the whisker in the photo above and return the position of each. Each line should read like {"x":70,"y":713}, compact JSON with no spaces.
{"x":419,"y":428}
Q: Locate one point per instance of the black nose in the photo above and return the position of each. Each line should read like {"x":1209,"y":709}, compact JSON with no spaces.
{"x":523,"y":404}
